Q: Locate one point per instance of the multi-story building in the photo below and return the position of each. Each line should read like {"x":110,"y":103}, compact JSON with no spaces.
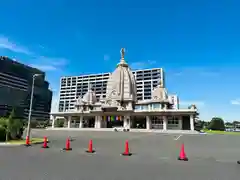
{"x":15,"y":90}
{"x":73,"y":87}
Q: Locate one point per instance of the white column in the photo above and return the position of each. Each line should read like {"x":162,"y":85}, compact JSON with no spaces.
{"x":191,"y":122}
{"x":148,"y":122}
{"x":69,"y":121}
{"x":149,"y":107}
{"x":81,"y":122}
{"x":126,"y":122}
{"x":97,"y":122}
{"x":180,"y":122}
{"x":164,"y":106}
{"x":100,"y":122}
{"x":164,"y":123}
{"x":53,"y":121}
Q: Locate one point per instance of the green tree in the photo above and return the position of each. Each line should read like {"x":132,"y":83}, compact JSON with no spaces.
{"x":217,"y":123}
{"x":2,"y":134}
{"x":16,"y":130}
{"x":13,"y":127}
{"x":4,"y":125}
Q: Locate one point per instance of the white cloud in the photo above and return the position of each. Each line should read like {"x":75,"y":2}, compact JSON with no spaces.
{"x":106,"y":57}
{"x":197,"y":71}
{"x":142,"y":64}
{"x":235,"y":102}
{"x":49,"y":63}
{"x":5,"y":43}
{"x":52,"y":60}
{"x":44,"y":67}
{"x":188,"y":103}
{"x":41,"y":62}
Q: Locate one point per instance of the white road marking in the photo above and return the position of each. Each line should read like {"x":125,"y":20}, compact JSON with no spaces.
{"x":178,"y":137}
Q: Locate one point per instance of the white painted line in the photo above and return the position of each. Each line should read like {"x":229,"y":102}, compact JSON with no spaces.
{"x":178,"y":137}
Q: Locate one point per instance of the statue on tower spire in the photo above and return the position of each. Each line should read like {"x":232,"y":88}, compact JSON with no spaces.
{"x":122,"y":51}
{"x":122,"y":60}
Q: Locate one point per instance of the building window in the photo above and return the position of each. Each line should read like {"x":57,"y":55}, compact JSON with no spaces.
{"x":155,"y":106}
{"x":138,"y":107}
{"x":157,"y":122}
{"x":144,"y":107}
{"x":173,"y":122}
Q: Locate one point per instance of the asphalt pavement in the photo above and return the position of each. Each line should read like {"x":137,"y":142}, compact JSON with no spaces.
{"x":154,"y":157}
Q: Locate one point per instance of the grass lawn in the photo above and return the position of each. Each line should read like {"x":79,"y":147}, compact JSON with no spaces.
{"x":222,"y":132}
{"x":22,"y":141}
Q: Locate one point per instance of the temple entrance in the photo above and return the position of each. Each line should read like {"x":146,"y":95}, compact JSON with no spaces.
{"x":113,"y":121}
{"x":186,"y":123}
{"x":139,"y":122}
{"x":89,"y":122}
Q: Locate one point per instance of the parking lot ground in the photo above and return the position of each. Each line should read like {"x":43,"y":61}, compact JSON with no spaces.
{"x":154,"y":157}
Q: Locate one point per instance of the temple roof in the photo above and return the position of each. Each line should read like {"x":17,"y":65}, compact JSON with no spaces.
{"x":90,"y":96}
{"x":160,"y":92}
{"x":121,"y":85}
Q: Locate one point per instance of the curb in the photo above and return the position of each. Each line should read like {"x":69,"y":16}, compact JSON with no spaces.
{"x":9,"y":144}
{"x":36,"y":143}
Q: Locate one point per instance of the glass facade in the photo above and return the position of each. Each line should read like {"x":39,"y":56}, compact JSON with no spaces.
{"x":15,"y":90}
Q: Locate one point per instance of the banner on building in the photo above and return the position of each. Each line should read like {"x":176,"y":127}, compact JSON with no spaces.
{"x":112,"y":118}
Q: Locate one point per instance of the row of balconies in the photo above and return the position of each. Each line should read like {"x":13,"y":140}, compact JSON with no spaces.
{"x":149,"y":72}
{"x":74,"y":83}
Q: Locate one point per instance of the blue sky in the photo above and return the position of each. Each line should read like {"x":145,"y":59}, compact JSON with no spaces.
{"x":196,"y":42}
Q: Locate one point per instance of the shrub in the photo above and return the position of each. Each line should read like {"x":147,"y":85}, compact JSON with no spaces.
{"x":217,"y":124}
{"x":2,"y":134}
{"x":59,"y":123}
{"x":16,"y":129}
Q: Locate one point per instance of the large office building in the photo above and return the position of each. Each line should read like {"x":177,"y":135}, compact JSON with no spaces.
{"x":125,"y":101}
{"x":73,"y":87}
{"x":16,"y":87}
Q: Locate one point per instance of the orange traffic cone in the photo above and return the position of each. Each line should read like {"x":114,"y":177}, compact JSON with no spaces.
{"x":67,"y":148}
{"x":45,"y":143}
{"x":90,"y":147}
{"x":182,"y":155}
{"x":27,"y":143}
{"x":126,"y":152}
